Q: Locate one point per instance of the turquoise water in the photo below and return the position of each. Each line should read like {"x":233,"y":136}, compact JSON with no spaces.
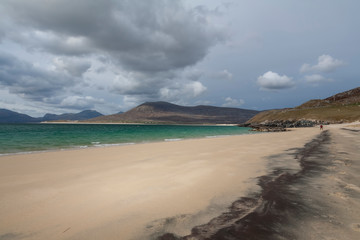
{"x":19,"y":138}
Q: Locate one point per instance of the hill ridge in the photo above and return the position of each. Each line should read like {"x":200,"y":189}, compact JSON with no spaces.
{"x":165,"y":112}
{"x":341,"y":107}
{"x":8,"y":116}
{"x":83,"y":115}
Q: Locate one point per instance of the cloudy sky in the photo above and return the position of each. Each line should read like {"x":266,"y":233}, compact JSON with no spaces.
{"x":110,"y":55}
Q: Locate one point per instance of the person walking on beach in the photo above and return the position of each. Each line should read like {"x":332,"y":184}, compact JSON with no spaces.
{"x":321,"y":127}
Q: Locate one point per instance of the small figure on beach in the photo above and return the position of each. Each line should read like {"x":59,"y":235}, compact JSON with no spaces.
{"x":321,"y":127}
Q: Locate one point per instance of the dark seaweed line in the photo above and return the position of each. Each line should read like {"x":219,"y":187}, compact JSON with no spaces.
{"x":262,"y":216}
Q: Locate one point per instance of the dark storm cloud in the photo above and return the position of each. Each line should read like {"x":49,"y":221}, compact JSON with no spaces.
{"x":29,"y":82}
{"x":75,"y":67}
{"x":80,"y":102}
{"x":152,"y":35}
{"x":144,"y":45}
{"x":167,"y":86}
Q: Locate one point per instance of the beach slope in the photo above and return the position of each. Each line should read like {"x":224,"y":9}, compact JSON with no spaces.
{"x":318,"y":200}
{"x":166,"y":190}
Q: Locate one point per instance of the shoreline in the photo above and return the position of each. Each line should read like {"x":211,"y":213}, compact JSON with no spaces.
{"x":101,"y":135}
{"x":134,"y":123}
{"x":109,"y":145}
{"x":129,"y":192}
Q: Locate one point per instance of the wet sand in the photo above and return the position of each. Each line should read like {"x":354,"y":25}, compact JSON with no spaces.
{"x":264,"y":186}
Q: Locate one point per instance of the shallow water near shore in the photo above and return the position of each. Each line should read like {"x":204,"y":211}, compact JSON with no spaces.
{"x":24,"y":138}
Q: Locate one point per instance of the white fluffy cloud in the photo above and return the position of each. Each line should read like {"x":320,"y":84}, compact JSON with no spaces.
{"x":195,"y":88}
{"x":316,"y":78}
{"x":184,"y":91}
{"x":326,"y":63}
{"x":231,"y":102}
{"x":273,"y":81}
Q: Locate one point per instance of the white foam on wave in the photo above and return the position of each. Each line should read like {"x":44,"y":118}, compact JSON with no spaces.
{"x":67,"y":148}
{"x":172,"y":139}
{"x":112,"y":144}
{"x":20,"y":153}
{"x":217,"y":136}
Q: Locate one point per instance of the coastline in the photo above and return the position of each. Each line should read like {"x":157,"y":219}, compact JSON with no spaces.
{"x":139,"y":123}
{"x":136,"y":191}
{"x":34,"y":138}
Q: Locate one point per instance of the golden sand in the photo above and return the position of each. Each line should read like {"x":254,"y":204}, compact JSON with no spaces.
{"x":122,"y":192}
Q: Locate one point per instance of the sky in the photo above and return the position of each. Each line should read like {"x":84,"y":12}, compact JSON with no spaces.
{"x":61,"y":56}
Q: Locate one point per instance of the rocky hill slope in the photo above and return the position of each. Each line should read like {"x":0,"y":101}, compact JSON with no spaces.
{"x":342,"y":107}
{"x":164,"y":112}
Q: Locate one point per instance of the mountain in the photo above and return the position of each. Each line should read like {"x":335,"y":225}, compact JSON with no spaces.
{"x":7,"y":116}
{"x":342,"y":107}
{"x":84,"y":115}
{"x":164,"y":112}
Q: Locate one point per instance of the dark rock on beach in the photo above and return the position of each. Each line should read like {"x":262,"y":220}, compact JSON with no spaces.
{"x":281,"y":125}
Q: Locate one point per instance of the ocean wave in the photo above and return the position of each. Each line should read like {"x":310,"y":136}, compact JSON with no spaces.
{"x":172,"y":139}
{"x":217,"y":136}
{"x":82,"y":146}
{"x":112,"y":144}
{"x":67,"y":148}
{"x":21,"y":153}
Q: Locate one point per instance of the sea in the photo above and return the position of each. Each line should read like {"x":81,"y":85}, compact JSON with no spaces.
{"x":28,"y":138}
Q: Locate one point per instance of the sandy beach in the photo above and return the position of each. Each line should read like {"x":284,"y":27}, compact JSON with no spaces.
{"x":145,"y":191}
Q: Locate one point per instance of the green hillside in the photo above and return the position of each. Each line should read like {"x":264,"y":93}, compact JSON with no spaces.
{"x":342,"y":107}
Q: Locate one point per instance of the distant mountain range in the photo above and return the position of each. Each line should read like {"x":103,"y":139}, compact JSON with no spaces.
{"x":84,"y":115}
{"x":149,"y":112}
{"x":168,"y":113}
{"x":342,"y":107}
{"x":7,"y":116}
